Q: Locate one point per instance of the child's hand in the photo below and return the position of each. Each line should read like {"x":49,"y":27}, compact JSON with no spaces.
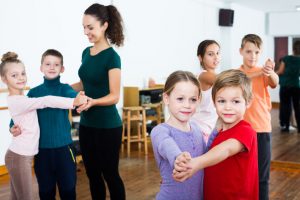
{"x":15,"y":130}
{"x":80,"y":99}
{"x":268,"y":68}
{"x":86,"y":106}
{"x":181,"y":176}
{"x":181,"y":162}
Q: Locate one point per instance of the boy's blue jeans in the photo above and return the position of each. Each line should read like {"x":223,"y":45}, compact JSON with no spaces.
{"x":264,"y":159}
{"x":56,"y":166}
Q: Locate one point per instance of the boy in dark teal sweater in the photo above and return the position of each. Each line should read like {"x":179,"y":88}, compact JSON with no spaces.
{"x":55,"y":163}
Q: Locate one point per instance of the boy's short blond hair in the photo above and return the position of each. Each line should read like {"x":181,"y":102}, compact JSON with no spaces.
{"x":255,"y":39}
{"x":233,"y":78}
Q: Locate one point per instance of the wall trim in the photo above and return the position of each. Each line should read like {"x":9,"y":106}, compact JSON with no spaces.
{"x":275,"y":105}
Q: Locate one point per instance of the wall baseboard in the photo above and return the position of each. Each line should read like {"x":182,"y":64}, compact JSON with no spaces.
{"x":275,"y":105}
{"x":3,"y":170}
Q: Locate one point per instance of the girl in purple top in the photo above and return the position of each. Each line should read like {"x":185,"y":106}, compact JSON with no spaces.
{"x":177,"y":135}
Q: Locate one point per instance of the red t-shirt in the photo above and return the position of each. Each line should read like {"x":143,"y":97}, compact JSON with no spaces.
{"x":236,"y":177}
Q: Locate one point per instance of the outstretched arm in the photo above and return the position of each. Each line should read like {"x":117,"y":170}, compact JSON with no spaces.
{"x":268,"y":70}
{"x":214,"y":156}
{"x":206,"y":79}
{"x":77,"y":86}
{"x":281,"y":68}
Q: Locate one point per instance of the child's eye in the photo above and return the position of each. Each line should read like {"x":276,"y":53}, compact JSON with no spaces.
{"x":236,"y":101}
{"x":23,"y":73}
{"x":221,"y":101}
{"x":180,"y":99}
{"x":194,"y":100}
{"x":91,"y":28}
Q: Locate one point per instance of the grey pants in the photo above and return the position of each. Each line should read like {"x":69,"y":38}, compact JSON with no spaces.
{"x":19,"y":169}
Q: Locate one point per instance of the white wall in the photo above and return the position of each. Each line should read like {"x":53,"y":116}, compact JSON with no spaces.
{"x":161,"y":36}
{"x":284,"y":24}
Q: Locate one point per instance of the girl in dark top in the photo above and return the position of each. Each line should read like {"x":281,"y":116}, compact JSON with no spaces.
{"x":100,"y":128}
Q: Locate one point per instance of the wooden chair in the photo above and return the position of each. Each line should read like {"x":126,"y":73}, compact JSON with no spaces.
{"x":134,"y":116}
{"x":134,"y":119}
{"x":158,"y":108}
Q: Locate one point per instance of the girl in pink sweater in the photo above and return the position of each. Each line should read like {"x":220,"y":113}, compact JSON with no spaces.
{"x":18,"y":158}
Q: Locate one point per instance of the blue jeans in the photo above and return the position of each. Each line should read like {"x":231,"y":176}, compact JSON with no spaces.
{"x":264,"y":159}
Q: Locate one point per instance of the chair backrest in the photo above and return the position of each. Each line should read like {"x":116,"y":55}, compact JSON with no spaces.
{"x":131,"y":96}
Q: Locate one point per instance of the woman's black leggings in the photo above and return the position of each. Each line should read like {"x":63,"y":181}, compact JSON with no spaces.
{"x":100,"y":153}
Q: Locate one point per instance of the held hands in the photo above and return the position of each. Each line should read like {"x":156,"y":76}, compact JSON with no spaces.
{"x":15,"y":130}
{"x":86,"y":106}
{"x":268,"y":68}
{"x":80,"y":99}
{"x":183,"y":168}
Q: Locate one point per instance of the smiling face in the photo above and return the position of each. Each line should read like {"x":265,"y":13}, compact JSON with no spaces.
{"x":51,"y":67}
{"x":15,"y":78}
{"x":250,"y":53}
{"x":230,"y":106}
{"x":211,"y":58}
{"x":93,"y":29}
{"x":182,"y":102}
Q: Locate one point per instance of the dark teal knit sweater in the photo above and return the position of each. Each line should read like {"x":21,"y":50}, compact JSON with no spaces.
{"x":54,"y":123}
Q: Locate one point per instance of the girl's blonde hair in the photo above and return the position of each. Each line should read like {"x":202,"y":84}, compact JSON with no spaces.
{"x":179,"y":76}
{"x":9,"y":57}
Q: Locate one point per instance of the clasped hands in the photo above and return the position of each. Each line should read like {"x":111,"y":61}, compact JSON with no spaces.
{"x":268,"y":68}
{"x":184,"y":167}
{"x":86,"y":102}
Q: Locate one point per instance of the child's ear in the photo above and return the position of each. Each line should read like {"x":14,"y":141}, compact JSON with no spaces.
{"x":166,"y":99}
{"x":248,"y":104}
{"x":3,"y":79}
{"x":62,"y":69}
{"x":241,"y":49}
{"x":41,"y":68}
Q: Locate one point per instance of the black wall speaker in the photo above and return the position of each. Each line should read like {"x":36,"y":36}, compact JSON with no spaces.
{"x":226,"y":17}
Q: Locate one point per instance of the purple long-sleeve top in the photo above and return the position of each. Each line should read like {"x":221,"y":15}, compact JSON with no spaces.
{"x":168,"y":142}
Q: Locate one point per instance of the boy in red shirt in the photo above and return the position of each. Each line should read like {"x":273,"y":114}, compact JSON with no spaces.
{"x":231,"y":169}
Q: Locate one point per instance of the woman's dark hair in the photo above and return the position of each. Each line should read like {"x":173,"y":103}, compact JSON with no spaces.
{"x":203,"y":46}
{"x":111,"y":15}
{"x":296,"y":47}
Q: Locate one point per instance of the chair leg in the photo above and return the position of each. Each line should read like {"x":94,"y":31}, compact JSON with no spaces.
{"x":123,"y":136}
{"x":144,"y":132}
{"x":128,"y":131}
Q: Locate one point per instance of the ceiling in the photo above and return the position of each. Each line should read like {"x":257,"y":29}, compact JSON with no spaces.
{"x":268,"y":5}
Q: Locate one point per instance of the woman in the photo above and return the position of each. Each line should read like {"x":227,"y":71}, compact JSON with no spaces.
{"x":289,"y":72}
{"x":100,"y":130}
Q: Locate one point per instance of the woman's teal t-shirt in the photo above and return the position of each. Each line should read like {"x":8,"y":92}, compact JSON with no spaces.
{"x":290,"y":77}
{"x":93,"y":73}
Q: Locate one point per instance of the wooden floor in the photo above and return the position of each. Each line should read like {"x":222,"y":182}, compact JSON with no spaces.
{"x":141,"y":176}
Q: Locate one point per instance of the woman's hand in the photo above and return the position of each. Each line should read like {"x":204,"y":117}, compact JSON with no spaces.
{"x":85,"y":107}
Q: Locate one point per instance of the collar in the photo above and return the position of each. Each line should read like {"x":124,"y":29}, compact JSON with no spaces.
{"x":52,"y":82}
